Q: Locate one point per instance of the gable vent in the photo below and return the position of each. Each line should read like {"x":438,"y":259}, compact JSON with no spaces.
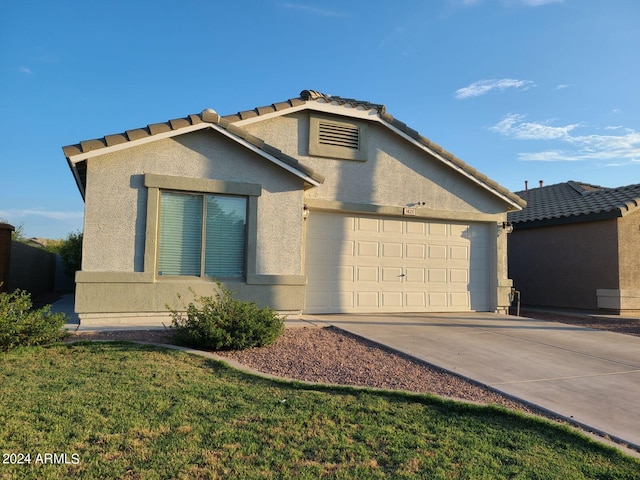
{"x":339,"y":135}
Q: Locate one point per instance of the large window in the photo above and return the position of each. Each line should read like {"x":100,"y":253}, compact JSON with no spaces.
{"x":202,"y":235}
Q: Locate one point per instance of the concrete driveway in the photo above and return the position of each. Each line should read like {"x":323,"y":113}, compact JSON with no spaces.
{"x":590,"y":377}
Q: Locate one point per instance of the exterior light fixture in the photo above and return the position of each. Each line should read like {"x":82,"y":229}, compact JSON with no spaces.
{"x":507,"y":226}
{"x":305,"y":212}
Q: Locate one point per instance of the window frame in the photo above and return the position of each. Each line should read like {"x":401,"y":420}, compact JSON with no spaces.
{"x":156,"y":184}
{"x":204,"y":227}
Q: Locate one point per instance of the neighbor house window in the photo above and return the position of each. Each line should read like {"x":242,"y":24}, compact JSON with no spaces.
{"x":202,"y":235}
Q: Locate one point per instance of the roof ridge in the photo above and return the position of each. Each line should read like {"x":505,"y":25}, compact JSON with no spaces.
{"x":585,"y":188}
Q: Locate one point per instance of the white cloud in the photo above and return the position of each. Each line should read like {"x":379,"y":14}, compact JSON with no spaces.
{"x":26,"y":70}
{"x":483,"y":87}
{"x":562,"y":86}
{"x":52,"y":214}
{"x":513,"y":125}
{"x":322,"y":12}
{"x":611,"y":149}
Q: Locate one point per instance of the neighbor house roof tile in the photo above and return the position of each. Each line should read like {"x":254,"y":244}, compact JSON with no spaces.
{"x":572,"y":201}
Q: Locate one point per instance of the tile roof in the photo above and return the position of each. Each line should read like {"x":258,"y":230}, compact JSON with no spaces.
{"x":227,"y":122}
{"x":575,"y":201}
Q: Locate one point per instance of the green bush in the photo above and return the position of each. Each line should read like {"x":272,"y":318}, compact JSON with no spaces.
{"x":21,"y":325}
{"x":71,"y":252}
{"x":222,"y":322}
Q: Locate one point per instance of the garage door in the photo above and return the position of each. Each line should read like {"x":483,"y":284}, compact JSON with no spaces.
{"x":381,"y":264}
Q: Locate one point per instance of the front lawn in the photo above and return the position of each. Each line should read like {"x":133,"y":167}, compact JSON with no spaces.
{"x":121,"y":410}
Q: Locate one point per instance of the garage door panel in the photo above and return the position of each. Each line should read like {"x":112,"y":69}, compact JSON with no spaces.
{"x":392,"y":274}
{"x":437,"y":275}
{"x":437,"y":252}
{"x":414,"y":275}
{"x":459,"y":299}
{"x":438,"y":229}
{"x":392,"y":300}
{"x":416,"y":228}
{"x":460,"y":231}
{"x":343,"y":273}
{"x":437,"y":299}
{"x":368,"y":224}
{"x":342,"y":300}
{"x":367,"y":299}
{"x":392,"y":226}
{"x":368,"y":264}
{"x":416,"y":300}
{"x":367,"y":274}
{"x":368,"y":249}
{"x":392,"y":250}
{"x":415,"y":251}
{"x":457,"y":252}
{"x":458,"y":276}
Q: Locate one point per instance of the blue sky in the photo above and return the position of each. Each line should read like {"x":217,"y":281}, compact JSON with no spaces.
{"x":520,"y":89}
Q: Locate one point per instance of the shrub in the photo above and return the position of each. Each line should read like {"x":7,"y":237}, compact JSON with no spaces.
{"x":221,"y":322}
{"x":71,"y":252}
{"x":21,"y":325}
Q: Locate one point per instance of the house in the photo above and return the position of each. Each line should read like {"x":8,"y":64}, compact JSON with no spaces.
{"x":576,"y":246}
{"x":317,"y":204}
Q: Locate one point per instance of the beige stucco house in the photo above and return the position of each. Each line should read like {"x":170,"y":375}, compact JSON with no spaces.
{"x":317,"y":204}
{"x":576,"y":246}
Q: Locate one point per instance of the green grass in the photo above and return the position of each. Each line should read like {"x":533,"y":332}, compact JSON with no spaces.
{"x":132,"y":411}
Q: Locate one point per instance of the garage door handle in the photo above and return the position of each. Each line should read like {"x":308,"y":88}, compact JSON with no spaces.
{"x":402,"y":275}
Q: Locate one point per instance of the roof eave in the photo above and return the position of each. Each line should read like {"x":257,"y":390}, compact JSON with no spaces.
{"x":555,"y":221}
{"x":309,"y":177}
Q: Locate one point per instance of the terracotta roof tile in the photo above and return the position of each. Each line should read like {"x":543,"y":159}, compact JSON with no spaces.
{"x":137,"y":134}
{"x":115,"y":139}
{"x":156,"y":128}
{"x":89,"y":145}
{"x":265,"y":110}
{"x":71,"y":150}
{"x":179,"y":123}
{"x":247,"y":114}
{"x":574,"y":200}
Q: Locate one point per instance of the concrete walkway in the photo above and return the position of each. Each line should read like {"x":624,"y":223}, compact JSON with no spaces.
{"x":590,"y":377}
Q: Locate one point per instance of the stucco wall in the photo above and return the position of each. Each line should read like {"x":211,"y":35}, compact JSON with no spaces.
{"x":629,"y":251}
{"x":382,"y":179}
{"x":564,"y":265}
{"x":115,"y":206}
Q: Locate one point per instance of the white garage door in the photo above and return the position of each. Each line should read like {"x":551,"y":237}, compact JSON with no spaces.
{"x":382,"y":264}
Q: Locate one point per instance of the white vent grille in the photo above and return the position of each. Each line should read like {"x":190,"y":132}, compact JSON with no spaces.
{"x":339,"y":135}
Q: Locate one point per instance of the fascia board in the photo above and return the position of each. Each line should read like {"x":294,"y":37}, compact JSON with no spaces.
{"x":264,"y":154}
{"x":317,"y":107}
{"x":134,"y":143}
{"x":75,"y":159}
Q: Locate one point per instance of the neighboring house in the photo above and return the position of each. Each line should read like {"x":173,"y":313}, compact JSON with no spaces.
{"x":317,"y":204}
{"x":577,"y":246}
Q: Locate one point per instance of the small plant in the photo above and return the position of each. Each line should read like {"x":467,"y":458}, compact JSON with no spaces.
{"x":221,"y":322}
{"x":21,"y":325}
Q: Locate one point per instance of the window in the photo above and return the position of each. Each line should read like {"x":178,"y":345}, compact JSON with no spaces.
{"x":202,"y":235}
{"x":329,"y":137}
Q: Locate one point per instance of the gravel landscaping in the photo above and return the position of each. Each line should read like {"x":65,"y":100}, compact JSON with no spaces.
{"x":329,"y":355}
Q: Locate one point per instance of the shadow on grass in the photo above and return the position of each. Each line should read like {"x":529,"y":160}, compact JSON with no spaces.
{"x":451,"y":411}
